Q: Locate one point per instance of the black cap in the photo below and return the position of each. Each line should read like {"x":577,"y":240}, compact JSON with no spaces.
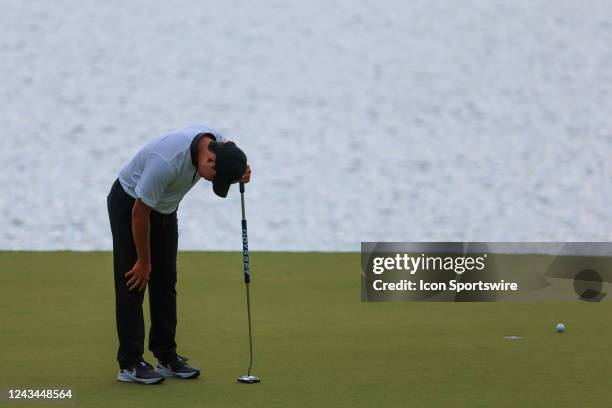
{"x":230,"y":165}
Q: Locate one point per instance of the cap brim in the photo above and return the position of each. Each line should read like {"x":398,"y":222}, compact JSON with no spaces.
{"x":221,"y":187}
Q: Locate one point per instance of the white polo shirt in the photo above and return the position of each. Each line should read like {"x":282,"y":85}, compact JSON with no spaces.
{"x":162,"y":173}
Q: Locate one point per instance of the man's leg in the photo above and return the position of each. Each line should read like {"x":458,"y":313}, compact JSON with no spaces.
{"x":162,"y":286}
{"x":162,"y":298}
{"x":128,"y":305}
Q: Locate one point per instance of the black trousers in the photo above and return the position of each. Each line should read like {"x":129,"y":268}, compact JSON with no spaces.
{"x":162,"y":281}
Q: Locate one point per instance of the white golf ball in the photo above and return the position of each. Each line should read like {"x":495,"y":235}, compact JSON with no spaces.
{"x":560,"y":328}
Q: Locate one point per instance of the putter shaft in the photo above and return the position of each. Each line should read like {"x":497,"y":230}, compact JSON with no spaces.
{"x":247,"y":274}
{"x":250,"y":334}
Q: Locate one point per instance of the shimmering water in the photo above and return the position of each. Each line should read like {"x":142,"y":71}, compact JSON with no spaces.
{"x":363,"y":121}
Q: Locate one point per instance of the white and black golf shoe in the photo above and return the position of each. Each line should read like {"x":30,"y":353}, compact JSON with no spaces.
{"x":141,"y":373}
{"x":177,"y":367}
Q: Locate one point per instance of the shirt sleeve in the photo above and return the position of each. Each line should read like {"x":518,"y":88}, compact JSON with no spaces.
{"x":155,"y":178}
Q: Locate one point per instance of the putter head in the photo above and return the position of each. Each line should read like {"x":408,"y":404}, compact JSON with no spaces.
{"x":249,"y":379}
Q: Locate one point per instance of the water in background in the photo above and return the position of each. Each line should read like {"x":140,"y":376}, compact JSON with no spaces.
{"x":363,"y":121}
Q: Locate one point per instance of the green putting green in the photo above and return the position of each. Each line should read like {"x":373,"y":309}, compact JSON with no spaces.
{"x":315,"y":343}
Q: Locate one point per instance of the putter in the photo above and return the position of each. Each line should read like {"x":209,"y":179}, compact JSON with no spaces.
{"x":247,"y":379}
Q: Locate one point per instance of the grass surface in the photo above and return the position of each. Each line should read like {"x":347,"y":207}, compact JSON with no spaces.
{"x":316,"y":344}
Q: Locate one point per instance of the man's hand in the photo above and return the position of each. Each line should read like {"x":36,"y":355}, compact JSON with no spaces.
{"x":138,"y":276}
{"x":246,"y":177}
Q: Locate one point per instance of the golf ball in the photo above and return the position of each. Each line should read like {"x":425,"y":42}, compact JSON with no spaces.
{"x":560,"y":328}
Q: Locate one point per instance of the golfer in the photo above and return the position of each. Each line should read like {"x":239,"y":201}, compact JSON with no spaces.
{"x":142,"y":207}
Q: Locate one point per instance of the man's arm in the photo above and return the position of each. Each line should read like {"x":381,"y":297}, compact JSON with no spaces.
{"x":154,"y":180}
{"x":139,"y":275}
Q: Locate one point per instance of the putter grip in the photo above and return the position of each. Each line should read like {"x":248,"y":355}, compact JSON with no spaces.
{"x":242,"y":187}
{"x":245,"y":253}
